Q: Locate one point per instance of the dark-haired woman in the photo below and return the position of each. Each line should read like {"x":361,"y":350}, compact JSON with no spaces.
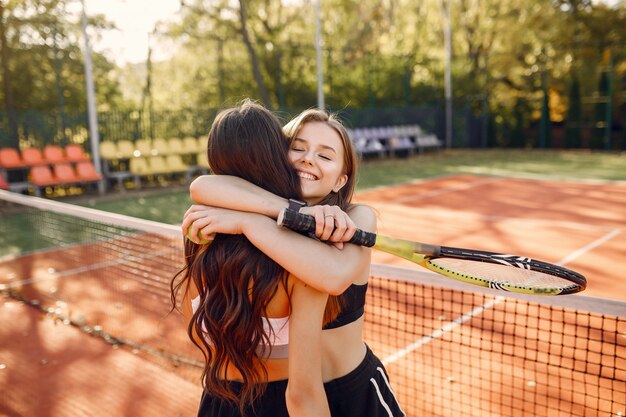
{"x":242,"y":306}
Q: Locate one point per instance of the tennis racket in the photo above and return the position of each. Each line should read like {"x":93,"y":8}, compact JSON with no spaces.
{"x":487,"y":269}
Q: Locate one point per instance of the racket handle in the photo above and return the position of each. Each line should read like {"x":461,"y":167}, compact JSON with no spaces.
{"x":300,"y":222}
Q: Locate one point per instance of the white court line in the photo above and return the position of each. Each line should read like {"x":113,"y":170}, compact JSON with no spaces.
{"x":439,"y":332}
{"x":590,"y":246}
{"x":490,"y":304}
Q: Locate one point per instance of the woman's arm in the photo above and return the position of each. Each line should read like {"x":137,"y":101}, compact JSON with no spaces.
{"x":321,"y":266}
{"x":189,"y":293}
{"x":305,"y":394}
{"x":237,"y":194}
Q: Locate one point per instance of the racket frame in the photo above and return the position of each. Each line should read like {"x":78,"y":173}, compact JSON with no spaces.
{"x":425,"y":255}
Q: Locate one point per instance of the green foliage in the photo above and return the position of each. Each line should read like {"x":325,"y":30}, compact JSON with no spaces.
{"x":376,"y":54}
{"x":44,"y":64}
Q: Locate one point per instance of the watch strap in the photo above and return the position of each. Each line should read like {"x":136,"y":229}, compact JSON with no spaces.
{"x":296,"y":205}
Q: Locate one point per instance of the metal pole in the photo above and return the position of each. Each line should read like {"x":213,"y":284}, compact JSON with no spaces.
{"x":609,"y":103}
{"x":318,"y":50}
{"x":447,"y":36}
{"x":91,"y":96}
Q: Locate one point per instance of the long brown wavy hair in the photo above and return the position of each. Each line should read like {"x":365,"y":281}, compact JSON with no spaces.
{"x":235,"y":280}
{"x":343,"y":197}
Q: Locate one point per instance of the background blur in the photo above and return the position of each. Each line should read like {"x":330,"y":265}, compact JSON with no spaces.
{"x":529,"y":73}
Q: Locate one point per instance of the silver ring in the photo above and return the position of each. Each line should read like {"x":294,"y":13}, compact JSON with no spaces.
{"x":329,"y":215}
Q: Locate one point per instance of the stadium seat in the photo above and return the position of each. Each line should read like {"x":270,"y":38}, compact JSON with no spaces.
{"x":108,"y":150}
{"x":158,"y":165}
{"x":65,"y":174}
{"x":175,"y":163}
{"x":144,"y":148}
{"x":160,"y":147}
{"x":10,"y":158}
{"x":76,"y":153}
{"x":53,"y":154}
{"x":139,"y":166}
{"x":125,"y":149}
{"x":191,"y":145}
{"x":42,"y":176}
{"x":32,"y":157}
{"x":203,"y":143}
{"x":176,"y":146}
{"x":86,"y":171}
{"x":202,"y":162}
{"x":113,"y":168}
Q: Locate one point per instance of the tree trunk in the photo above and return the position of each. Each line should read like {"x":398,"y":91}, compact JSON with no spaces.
{"x":9,"y":101}
{"x":254,"y":60}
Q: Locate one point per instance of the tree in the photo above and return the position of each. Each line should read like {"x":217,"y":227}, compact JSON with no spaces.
{"x":9,"y":100}
{"x":42,"y":68}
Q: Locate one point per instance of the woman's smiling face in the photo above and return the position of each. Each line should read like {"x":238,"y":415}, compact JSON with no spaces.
{"x":317,"y":154}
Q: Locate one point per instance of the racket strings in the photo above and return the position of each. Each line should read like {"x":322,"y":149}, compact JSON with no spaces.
{"x":500,"y":274}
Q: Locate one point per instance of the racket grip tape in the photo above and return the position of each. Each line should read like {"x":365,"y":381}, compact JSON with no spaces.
{"x":304,"y":223}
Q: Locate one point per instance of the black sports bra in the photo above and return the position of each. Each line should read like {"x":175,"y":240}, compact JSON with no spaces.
{"x":352,"y":306}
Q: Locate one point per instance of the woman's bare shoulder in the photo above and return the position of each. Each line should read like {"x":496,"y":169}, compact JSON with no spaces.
{"x":363,"y":216}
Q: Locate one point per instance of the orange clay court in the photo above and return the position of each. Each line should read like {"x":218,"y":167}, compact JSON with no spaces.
{"x":442,"y":361}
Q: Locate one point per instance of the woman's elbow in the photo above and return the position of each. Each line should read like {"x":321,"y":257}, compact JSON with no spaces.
{"x":337,"y":282}
{"x":301,"y":397}
{"x":196,"y":187}
{"x":336,"y":285}
{"x":343,"y":275}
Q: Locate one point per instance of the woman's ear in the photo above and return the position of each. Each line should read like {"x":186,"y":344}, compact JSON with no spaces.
{"x":341,"y":181}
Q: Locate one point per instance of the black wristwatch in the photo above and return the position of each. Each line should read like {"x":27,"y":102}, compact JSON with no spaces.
{"x":296,"y":205}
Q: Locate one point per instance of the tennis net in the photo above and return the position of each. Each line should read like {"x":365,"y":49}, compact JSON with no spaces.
{"x":450,"y":348}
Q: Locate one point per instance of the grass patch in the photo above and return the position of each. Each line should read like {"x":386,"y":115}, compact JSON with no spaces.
{"x":563,"y":165}
{"x":166,"y":207}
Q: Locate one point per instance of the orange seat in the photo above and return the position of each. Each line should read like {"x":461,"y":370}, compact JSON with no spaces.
{"x":10,"y":158}
{"x":87,"y":171}
{"x":42,"y":176}
{"x":65,"y":174}
{"x":32,"y":157}
{"x":53,"y":154}
{"x":3,"y":184}
{"x":75,"y":153}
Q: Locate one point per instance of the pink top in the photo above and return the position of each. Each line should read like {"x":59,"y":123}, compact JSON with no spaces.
{"x":278,"y":330}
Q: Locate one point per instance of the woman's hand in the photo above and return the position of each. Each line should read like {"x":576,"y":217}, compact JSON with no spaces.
{"x":200,"y":223}
{"x":331,"y":224}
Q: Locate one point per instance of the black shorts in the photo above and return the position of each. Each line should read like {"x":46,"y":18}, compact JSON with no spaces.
{"x":270,"y":404}
{"x":364,"y":392}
